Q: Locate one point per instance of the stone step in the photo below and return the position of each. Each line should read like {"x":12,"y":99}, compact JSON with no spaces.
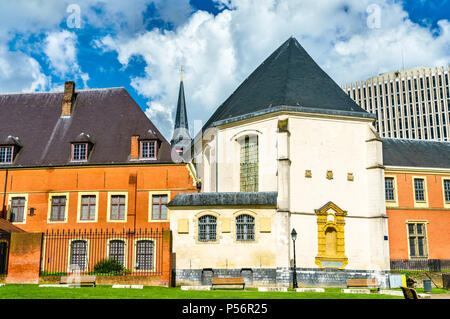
{"x":309,"y":290}
{"x":195,"y":287}
{"x":129,"y":286}
{"x":273,"y":289}
{"x":391,"y":292}
{"x":355,"y":291}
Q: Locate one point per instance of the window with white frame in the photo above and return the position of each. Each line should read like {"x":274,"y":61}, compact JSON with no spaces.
{"x":58,"y":211}
{"x":447,"y":190}
{"x":417,"y":238}
{"x":79,"y":151}
{"x":17,"y":209}
{"x":159,"y":207}
{"x":144,"y":254}
{"x":148,"y":149}
{"x":389,"y":187}
{"x":207,"y":228}
{"x":245,"y":228}
{"x":78,"y":254}
{"x":6,"y":154}
{"x":419,"y":189}
{"x":88,"y":203}
{"x":117,"y":250}
{"x":118,"y":207}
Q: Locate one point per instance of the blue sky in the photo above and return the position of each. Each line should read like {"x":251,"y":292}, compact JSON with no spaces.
{"x":141,"y":44}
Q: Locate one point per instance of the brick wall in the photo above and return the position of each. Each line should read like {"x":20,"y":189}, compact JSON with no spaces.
{"x":24,"y":258}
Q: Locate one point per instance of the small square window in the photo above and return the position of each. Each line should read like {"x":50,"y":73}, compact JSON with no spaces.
{"x":79,"y":151}
{"x":148,"y":149}
{"x":6,"y":154}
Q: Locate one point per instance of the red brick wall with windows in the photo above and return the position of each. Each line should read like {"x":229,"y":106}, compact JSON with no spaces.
{"x":434,"y":212}
{"x":137,"y":182}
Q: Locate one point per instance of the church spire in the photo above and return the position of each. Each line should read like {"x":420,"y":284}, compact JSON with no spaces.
{"x":181,"y":137}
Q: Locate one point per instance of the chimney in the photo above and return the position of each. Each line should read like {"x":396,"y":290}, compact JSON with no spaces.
{"x":68,"y":99}
{"x":134,"y":147}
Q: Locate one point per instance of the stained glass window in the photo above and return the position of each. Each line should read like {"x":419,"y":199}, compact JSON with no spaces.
{"x":249,"y":164}
{"x":245,"y":228}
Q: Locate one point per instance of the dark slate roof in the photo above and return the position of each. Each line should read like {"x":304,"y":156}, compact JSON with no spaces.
{"x":181,"y":116}
{"x":416,"y":153}
{"x":288,"y":77}
{"x":224,"y":199}
{"x":106,"y":117}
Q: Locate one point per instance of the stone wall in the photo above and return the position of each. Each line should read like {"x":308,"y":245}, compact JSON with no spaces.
{"x":306,"y":277}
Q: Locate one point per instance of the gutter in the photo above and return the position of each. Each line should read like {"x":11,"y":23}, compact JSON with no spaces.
{"x":4,"y":194}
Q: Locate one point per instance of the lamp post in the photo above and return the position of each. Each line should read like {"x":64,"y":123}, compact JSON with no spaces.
{"x":294,"y":279}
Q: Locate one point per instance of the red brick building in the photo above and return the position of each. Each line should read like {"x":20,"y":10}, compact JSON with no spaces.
{"x":88,"y":161}
{"x":417,"y":185}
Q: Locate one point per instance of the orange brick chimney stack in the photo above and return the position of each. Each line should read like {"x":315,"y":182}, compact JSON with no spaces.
{"x":68,"y":99}
{"x":134,"y":147}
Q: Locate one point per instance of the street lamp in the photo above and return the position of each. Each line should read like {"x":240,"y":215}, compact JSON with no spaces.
{"x":294,"y":279}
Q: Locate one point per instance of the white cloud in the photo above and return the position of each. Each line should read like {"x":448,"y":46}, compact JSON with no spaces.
{"x":219,"y":52}
{"x":20,"y":73}
{"x":61,"y":52}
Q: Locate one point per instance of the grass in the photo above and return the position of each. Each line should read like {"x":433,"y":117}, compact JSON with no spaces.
{"x":106,"y":292}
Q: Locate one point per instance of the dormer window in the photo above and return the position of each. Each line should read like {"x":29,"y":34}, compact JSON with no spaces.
{"x":79,"y":151}
{"x":148,"y":149}
{"x":6,"y":154}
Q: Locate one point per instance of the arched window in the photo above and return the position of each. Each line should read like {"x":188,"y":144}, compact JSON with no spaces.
{"x":207,"y":228}
{"x":249,"y":164}
{"x":117,"y":251}
{"x":245,"y":228}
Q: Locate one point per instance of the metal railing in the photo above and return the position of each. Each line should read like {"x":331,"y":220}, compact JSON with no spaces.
{"x":103,"y":252}
{"x":436,"y":265}
{"x":4,"y":253}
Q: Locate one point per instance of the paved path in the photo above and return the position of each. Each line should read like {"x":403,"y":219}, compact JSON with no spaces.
{"x":440,"y":296}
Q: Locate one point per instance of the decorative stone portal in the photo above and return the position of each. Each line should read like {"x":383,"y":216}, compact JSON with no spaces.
{"x":330,"y":230}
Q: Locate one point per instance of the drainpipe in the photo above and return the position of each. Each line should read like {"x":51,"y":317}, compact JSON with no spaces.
{"x":4,"y":194}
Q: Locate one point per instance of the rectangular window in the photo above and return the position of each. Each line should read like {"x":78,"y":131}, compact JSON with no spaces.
{"x":144,"y":255}
{"x":78,"y":255}
{"x":6,"y":154}
{"x":88,"y":203}
{"x":447,"y":190}
{"x":148,"y":149}
{"x":79,"y":151}
{"x":249,"y":164}
{"x":419,"y":189}
{"x":417,"y":239}
{"x":117,"y":207}
{"x":389,"y":185}
{"x":17,"y":209}
{"x":159,"y":207}
{"x":117,"y":251}
{"x":58,"y":208}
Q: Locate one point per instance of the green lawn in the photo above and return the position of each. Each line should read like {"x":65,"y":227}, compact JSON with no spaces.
{"x":106,"y":292}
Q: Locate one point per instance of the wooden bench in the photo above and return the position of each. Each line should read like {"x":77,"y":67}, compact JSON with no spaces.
{"x":363,"y":283}
{"x":410,"y":293}
{"x":230,"y":281}
{"x":82,"y":280}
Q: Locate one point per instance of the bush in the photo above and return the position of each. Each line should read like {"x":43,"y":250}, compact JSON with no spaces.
{"x":105,"y":266}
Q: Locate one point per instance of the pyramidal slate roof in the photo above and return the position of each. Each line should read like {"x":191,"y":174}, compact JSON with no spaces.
{"x":107,"y":118}
{"x":290,"y":78}
{"x":416,"y":153}
{"x":181,"y":116}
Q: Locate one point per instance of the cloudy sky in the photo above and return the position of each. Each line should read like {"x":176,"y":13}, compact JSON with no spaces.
{"x":141,"y":44}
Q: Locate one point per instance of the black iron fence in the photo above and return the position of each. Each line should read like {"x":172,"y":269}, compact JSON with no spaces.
{"x":4,"y":253}
{"x":421,"y":265}
{"x":103,"y":252}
